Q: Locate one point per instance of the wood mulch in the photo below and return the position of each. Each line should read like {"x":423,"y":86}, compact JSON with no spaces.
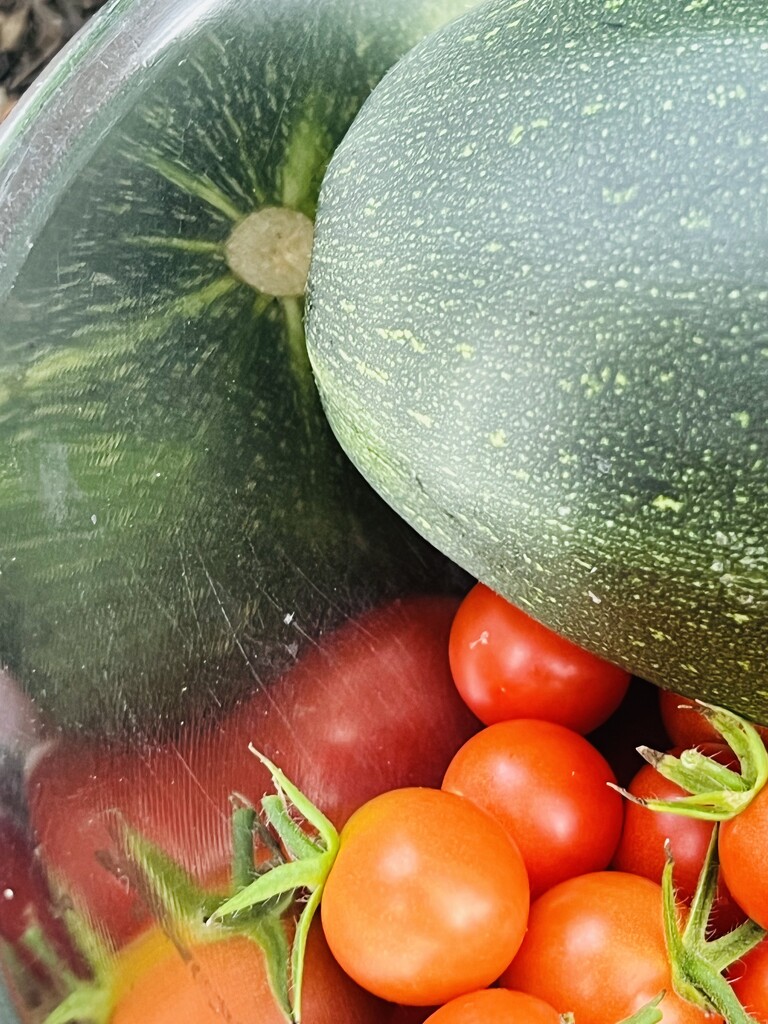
{"x":31,"y":32}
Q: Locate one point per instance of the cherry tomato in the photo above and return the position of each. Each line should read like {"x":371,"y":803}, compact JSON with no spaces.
{"x":595,"y":948}
{"x":372,"y":707}
{"x":506,"y":665}
{"x":495,"y":1006}
{"x":749,"y":980}
{"x":157,"y":983}
{"x":687,"y":727}
{"x":427,"y":899}
{"x":641,"y":847}
{"x":548,"y":787}
{"x":742,"y":847}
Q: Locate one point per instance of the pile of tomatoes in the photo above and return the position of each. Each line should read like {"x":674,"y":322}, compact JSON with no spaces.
{"x":459,"y":825}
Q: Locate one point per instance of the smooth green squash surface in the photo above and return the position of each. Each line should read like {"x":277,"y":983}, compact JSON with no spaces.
{"x":538,"y":316}
{"x":176,"y":518}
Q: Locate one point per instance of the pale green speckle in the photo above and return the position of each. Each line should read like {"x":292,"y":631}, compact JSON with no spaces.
{"x":498,"y":439}
{"x":617,"y":197}
{"x":516,"y":135}
{"x":742,"y":418}
{"x":422,"y":418}
{"x":468,"y":150}
{"x":737,"y":617}
{"x":695,"y":220}
{"x":721,"y":96}
{"x":369,"y":371}
{"x":592,"y":384}
{"x":596,"y":107}
{"x":465,"y":350}
{"x":667,"y":504}
{"x":402,"y":336}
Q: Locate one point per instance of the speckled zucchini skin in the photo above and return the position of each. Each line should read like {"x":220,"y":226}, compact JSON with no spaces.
{"x":177,"y":521}
{"x":538,"y":316}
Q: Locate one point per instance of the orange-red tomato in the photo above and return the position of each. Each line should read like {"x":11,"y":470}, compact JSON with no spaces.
{"x":743,"y":850}
{"x":506,"y":665}
{"x":548,"y":787}
{"x":595,"y":948}
{"x":428,"y":897}
{"x":495,"y":1006}
{"x":158,"y":983}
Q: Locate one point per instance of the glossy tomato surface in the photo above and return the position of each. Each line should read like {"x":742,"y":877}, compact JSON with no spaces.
{"x":428,"y":898}
{"x":507,"y":665}
{"x":495,"y":1006}
{"x":742,"y":846}
{"x":548,"y":787}
{"x":595,"y":948}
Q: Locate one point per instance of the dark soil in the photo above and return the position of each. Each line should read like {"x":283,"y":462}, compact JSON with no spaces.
{"x":31,"y":32}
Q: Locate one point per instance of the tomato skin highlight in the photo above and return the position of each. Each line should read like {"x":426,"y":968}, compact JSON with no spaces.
{"x":547,"y":786}
{"x":495,"y":1006}
{"x":427,"y":899}
{"x":226,"y":981}
{"x":506,"y":665}
{"x":595,"y":948}
{"x":742,"y":845}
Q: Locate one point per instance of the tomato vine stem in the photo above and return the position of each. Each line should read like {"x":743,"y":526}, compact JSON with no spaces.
{"x":697,"y":962}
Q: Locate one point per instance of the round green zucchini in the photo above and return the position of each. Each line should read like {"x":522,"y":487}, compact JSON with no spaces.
{"x":176,"y":518}
{"x":538,"y":316}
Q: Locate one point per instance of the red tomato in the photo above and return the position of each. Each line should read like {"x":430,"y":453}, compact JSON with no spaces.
{"x":506,"y":665}
{"x":749,"y":980}
{"x":595,"y":948}
{"x":687,"y":727}
{"x":370,"y":708}
{"x":495,"y":1006}
{"x":742,"y":846}
{"x":641,"y":847}
{"x":427,"y":899}
{"x":547,"y":786}
{"x":226,"y":981}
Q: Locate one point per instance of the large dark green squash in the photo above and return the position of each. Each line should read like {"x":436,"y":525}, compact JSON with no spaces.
{"x":176,"y":519}
{"x":538,"y":315}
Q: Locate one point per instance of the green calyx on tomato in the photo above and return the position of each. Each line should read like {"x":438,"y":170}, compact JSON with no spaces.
{"x":309,"y":864}
{"x":717,"y":793}
{"x":181,"y":908}
{"x":649,"y":1013}
{"x":697,"y":962}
